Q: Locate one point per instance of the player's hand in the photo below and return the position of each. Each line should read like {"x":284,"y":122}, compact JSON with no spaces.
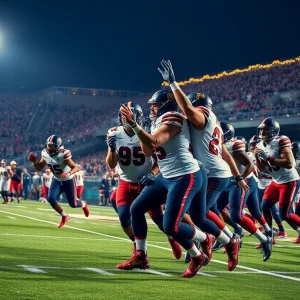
{"x":244,"y":187}
{"x":111,"y":143}
{"x":262,"y":154}
{"x":32,"y":157}
{"x":64,"y":175}
{"x":127,"y":115}
{"x":167,"y":73}
{"x":146,"y":179}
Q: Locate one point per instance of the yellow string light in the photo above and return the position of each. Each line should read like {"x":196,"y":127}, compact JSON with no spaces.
{"x":237,"y":71}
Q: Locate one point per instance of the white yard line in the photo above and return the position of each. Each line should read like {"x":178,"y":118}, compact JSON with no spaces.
{"x":11,"y":217}
{"x":154,"y":272}
{"x":276,"y":245}
{"x":151,"y":245}
{"x":99,"y":271}
{"x":32,"y":269}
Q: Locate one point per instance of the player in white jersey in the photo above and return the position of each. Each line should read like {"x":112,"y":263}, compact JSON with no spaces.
{"x":135,"y":171}
{"x":5,"y":177}
{"x":79,"y":180}
{"x":296,"y":153}
{"x":236,"y":199}
{"x":176,"y":186}
{"x":274,"y":154}
{"x":46,"y":183}
{"x":59,"y":160}
{"x":207,"y":146}
{"x":264,"y":179}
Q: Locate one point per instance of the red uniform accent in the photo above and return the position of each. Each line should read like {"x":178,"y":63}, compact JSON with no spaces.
{"x":14,"y":185}
{"x":45,"y":192}
{"x":127,"y":192}
{"x":80,"y":189}
{"x":113,"y":195}
{"x":284,"y":194}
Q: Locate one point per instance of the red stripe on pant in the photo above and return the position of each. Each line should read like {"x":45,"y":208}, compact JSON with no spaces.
{"x":192,"y":179}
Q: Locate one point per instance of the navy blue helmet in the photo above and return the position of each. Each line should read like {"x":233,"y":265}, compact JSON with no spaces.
{"x":296,"y":149}
{"x":268,"y":129}
{"x":200,"y":99}
{"x":53,"y":145}
{"x":166,"y":102}
{"x":228,"y":131}
{"x":137,"y":114}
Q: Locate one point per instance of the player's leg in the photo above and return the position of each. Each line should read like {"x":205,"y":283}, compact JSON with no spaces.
{"x":275,"y":214}
{"x":69,"y":188}
{"x":287,"y":194}
{"x":79,"y":191}
{"x":237,"y":202}
{"x":126,"y":193}
{"x":253,"y":204}
{"x":55,"y":191}
{"x":214,"y":189}
{"x":181,"y":193}
{"x":113,"y":200}
{"x":152,"y":196}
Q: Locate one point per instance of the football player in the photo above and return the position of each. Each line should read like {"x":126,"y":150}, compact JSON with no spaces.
{"x":178,"y":182}
{"x":46,"y":183}
{"x":16,"y":181}
{"x":135,"y":171}
{"x":264,"y":179}
{"x":236,"y":199}
{"x":273,"y":153}
{"x":5,"y":177}
{"x":206,"y":137}
{"x":59,"y":160}
{"x":115,"y":183}
{"x":79,"y":179}
{"x":296,"y":153}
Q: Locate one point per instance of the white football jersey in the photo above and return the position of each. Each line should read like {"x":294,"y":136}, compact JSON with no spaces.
{"x":4,"y":178}
{"x":47,"y":179}
{"x":79,"y":178}
{"x":207,"y":145}
{"x":4,"y":175}
{"x":175,"y":158}
{"x":57,"y":163}
{"x":261,"y":181}
{"x":235,"y":145}
{"x":280,"y":175}
{"x":132,"y":162}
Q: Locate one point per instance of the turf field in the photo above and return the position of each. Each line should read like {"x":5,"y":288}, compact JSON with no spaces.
{"x":78,"y":261}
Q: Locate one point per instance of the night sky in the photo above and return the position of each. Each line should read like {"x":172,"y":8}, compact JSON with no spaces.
{"x":119,"y":44}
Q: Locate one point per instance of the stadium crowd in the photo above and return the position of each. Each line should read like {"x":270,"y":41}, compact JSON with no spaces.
{"x":76,"y":124}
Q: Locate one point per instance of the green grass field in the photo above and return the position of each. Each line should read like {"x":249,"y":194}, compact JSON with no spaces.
{"x":78,"y":261}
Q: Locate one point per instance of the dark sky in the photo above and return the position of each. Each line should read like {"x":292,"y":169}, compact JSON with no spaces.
{"x":118,"y":44}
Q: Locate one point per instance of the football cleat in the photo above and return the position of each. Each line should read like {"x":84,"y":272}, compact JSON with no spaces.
{"x":266,"y":247}
{"x":195,"y":265}
{"x":259,"y":245}
{"x":297,"y":240}
{"x":239,"y":231}
{"x":176,"y":249}
{"x":63,"y":221}
{"x":281,"y":235}
{"x":4,"y":202}
{"x":207,"y":246}
{"x":232,"y":250}
{"x":138,"y":260}
{"x":86,"y":209}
